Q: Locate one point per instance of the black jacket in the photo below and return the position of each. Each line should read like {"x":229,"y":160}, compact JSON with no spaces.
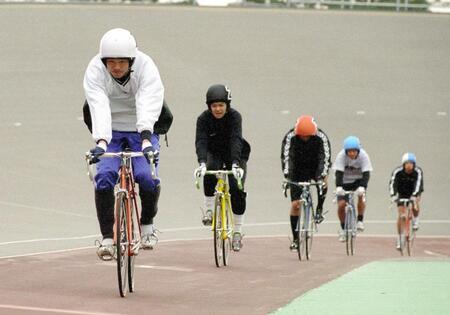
{"x":305,"y":159}
{"x":221,"y":137}
{"x":405,"y":184}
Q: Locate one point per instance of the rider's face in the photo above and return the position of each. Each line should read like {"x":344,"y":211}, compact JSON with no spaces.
{"x":352,"y":154}
{"x":218,"y":109}
{"x":409,"y":167}
{"x":118,"y":67}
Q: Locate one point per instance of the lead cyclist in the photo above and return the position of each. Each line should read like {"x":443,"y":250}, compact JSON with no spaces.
{"x":125,"y":94}
{"x":219,"y":143}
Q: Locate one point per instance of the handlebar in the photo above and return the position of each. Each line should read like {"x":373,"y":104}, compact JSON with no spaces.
{"x":219,"y":173}
{"x":123,"y":155}
{"x":319,"y":184}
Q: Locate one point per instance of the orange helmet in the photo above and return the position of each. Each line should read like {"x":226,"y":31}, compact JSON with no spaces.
{"x":305,"y":126}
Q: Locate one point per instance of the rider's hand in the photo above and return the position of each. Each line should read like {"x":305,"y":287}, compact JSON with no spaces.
{"x":394,"y":199}
{"x":340,"y":191}
{"x":237,"y":171}
{"x":360,"y":191}
{"x":200,"y":171}
{"x":97,"y":152}
{"x":149,"y":151}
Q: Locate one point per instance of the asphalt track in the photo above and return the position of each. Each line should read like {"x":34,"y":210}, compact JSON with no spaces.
{"x":381,"y":76}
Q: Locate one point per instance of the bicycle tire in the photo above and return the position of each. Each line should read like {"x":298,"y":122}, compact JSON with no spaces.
{"x":121,"y":243}
{"x":217,"y":231}
{"x":301,"y":230}
{"x":226,"y":242}
{"x":349,"y":231}
{"x":135,"y":241}
{"x":309,"y":231}
{"x":408,"y":234}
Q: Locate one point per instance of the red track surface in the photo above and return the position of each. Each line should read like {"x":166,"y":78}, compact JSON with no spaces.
{"x":181,"y":278}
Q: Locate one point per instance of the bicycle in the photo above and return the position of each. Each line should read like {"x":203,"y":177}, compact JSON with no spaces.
{"x":306,"y":225}
{"x":127,"y":230}
{"x":350,"y":222}
{"x":222,"y":221}
{"x":406,"y":234}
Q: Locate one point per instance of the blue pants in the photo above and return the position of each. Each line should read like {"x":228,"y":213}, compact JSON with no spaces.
{"x":108,"y":168}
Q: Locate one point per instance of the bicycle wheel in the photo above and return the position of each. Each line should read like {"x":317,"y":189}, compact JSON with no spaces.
{"x":350,"y":232}
{"x":135,"y":243}
{"x":409,"y":233}
{"x":121,"y":243}
{"x":309,"y":231}
{"x":302,"y":226}
{"x":227,"y":233}
{"x":217,"y":231}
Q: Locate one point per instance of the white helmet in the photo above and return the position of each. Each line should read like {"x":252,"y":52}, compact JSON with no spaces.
{"x":118,"y":43}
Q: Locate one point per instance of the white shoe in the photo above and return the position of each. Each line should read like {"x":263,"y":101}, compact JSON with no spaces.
{"x":342,"y":237}
{"x":415,"y":224}
{"x":148,"y":241}
{"x":236,"y":244}
{"x":397,"y":245}
{"x":106,"y":250}
{"x":360,"y":226}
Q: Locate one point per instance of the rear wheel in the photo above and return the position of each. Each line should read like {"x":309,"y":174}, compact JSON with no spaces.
{"x":121,"y":243}
{"x":217,"y":230}
{"x":309,"y":231}
{"x":350,"y":231}
{"x":226,"y":239}
{"x":135,"y":244}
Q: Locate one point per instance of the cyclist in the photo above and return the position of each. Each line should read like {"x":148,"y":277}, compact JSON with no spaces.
{"x":352,"y":172}
{"x":305,"y":156}
{"x":407,"y":182}
{"x":219,"y":143}
{"x":125,"y":95}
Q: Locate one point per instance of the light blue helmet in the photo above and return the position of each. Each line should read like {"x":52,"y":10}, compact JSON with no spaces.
{"x":408,"y":157}
{"x":352,"y":143}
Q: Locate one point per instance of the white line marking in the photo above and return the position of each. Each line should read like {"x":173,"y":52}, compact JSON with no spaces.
{"x":441,"y":113}
{"x":51,"y":310}
{"x":50,"y":239}
{"x":17,"y":124}
{"x":428,"y":252}
{"x":286,"y":112}
{"x":360,"y":112}
{"x":247,"y":236}
{"x":13,"y":204}
{"x":165,"y":268}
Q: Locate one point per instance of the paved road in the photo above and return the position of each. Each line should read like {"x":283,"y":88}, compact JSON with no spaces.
{"x":381,"y":76}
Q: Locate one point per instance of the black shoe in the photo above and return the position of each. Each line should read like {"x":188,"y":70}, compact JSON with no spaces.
{"x":294,"y":245}
{"x":318,"y":218}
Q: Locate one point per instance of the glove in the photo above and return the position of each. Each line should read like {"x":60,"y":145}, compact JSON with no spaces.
{"x":150,"y":152}
{"x":360,"y":191}
{"x":394,"y":199}
{"x":237,"y":171}
{"x":200,"y":171}
{"x":340,"y":191}
{"x":97,"y":152}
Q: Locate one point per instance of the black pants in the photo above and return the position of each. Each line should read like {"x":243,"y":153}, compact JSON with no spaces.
{"x":238,"y":196}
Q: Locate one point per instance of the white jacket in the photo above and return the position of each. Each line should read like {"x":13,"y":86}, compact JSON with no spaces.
{"x":135,"y":106}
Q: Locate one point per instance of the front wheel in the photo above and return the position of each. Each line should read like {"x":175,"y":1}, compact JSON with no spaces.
{"x":217,"y":232}
{"x":302,"y":230}
{"x":121,"y":243}
{"x":135,"y":243}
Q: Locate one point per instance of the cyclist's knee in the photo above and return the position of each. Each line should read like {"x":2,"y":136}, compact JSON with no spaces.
{"x":147,"y":183}
{"x":238,"y":201}
{"x":105,"y":181}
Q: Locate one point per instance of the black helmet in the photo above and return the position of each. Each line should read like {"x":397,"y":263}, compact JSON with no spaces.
{"x":218,"y":93}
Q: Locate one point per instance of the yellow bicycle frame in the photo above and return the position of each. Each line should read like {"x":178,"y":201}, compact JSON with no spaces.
{"x":222,"y":192}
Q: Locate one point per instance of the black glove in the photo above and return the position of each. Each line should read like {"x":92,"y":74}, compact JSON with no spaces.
{"x":151,"y":152}
{"x":96,"y":153}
